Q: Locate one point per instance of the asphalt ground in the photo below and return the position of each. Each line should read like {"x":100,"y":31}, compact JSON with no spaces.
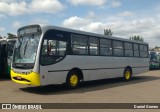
{"x":143,"y":88}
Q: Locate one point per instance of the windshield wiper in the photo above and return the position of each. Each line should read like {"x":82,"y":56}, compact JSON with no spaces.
{"x":25,"y":47}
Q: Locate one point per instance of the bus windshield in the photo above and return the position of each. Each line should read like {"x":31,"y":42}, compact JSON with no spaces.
{"x":25,"y":51}
{"x":10,"y":46}
{"x":153,"y":56}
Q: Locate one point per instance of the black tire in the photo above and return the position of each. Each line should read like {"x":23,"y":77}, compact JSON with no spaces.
{"x":127,"y":74}
{"x":73,"y":79}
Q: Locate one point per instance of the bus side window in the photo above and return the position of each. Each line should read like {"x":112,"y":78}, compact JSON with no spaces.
{"x":136,"y":50}
{"x":52,"y":51}
{"x":10,"y":47}
{"x":3,"y":51}
{"x":79,"y":44}
{"x":44,"y":48}
{"x":0,"y":49}
{"x":105,"y":47}
{"x":93,"y":46}
{"x":144,"y":51}
{"x":118,"y":48}
{"x":128,"y":49}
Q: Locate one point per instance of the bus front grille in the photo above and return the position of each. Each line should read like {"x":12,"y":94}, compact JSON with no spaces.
{"x":21,"y":79}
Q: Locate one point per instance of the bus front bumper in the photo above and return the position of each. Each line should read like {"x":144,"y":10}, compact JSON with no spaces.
{"x":29,"y":79}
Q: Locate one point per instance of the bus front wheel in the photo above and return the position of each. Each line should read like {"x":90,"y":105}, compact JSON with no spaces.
{"x":127,"y":74}
{"x":72,"y":80}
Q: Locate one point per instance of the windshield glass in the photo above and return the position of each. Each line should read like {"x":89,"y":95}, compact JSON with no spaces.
{"x":25,"y":51}
{"x":10,"y":47}
{"x":153,"y":56}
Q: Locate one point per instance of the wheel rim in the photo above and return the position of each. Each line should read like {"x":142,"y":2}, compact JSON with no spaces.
{"x":73,"y":80}
{"x":127,"y":75}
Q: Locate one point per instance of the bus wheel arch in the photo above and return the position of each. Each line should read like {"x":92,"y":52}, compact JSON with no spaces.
{"x":80,"y":73}
{"x":73,"y":78}
{"x":127,"y":73}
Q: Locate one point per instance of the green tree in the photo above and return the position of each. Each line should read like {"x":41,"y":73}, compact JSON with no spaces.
{"x":10,"y":35}
{"x":156,"y":47}
{"x":136,"y":38}
{"x":1,"y":37}
{"x":108,"y":32}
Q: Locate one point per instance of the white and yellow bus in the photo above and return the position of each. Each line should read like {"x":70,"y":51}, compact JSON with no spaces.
{"x":45,"y":55}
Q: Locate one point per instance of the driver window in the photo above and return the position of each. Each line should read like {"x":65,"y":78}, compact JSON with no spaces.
{"x":53,"y":51}
{"x":54,"y":48}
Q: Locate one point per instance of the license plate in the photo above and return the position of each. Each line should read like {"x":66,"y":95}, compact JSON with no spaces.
{"x":18,"y":77}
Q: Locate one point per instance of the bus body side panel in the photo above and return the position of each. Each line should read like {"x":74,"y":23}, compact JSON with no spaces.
{"x":137,"y":71}
{"x":139,"y":65}
{"x":48,"y":78}
{"x":93,"y":68}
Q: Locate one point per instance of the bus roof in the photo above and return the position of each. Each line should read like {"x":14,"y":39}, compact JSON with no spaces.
{"x":47,"y":27}
{"x":8,"y":39}
{"x":154,"y":52}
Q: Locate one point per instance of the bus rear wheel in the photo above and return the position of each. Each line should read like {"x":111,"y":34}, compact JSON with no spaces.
{"x":127,"y":74}
{"x":72,"y":81}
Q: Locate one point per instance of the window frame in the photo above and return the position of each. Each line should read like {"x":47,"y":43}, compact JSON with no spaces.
{"x":127,"y":49}
{"x":98,"y":44}
{"x":69,"y":49}
{"x":71,"y":45}
{"x":111,"y":41}
{"x":136,"y":50}
{"x":113,"y":47}
{"x":54,"y":32}
{"x":143,"y":51}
